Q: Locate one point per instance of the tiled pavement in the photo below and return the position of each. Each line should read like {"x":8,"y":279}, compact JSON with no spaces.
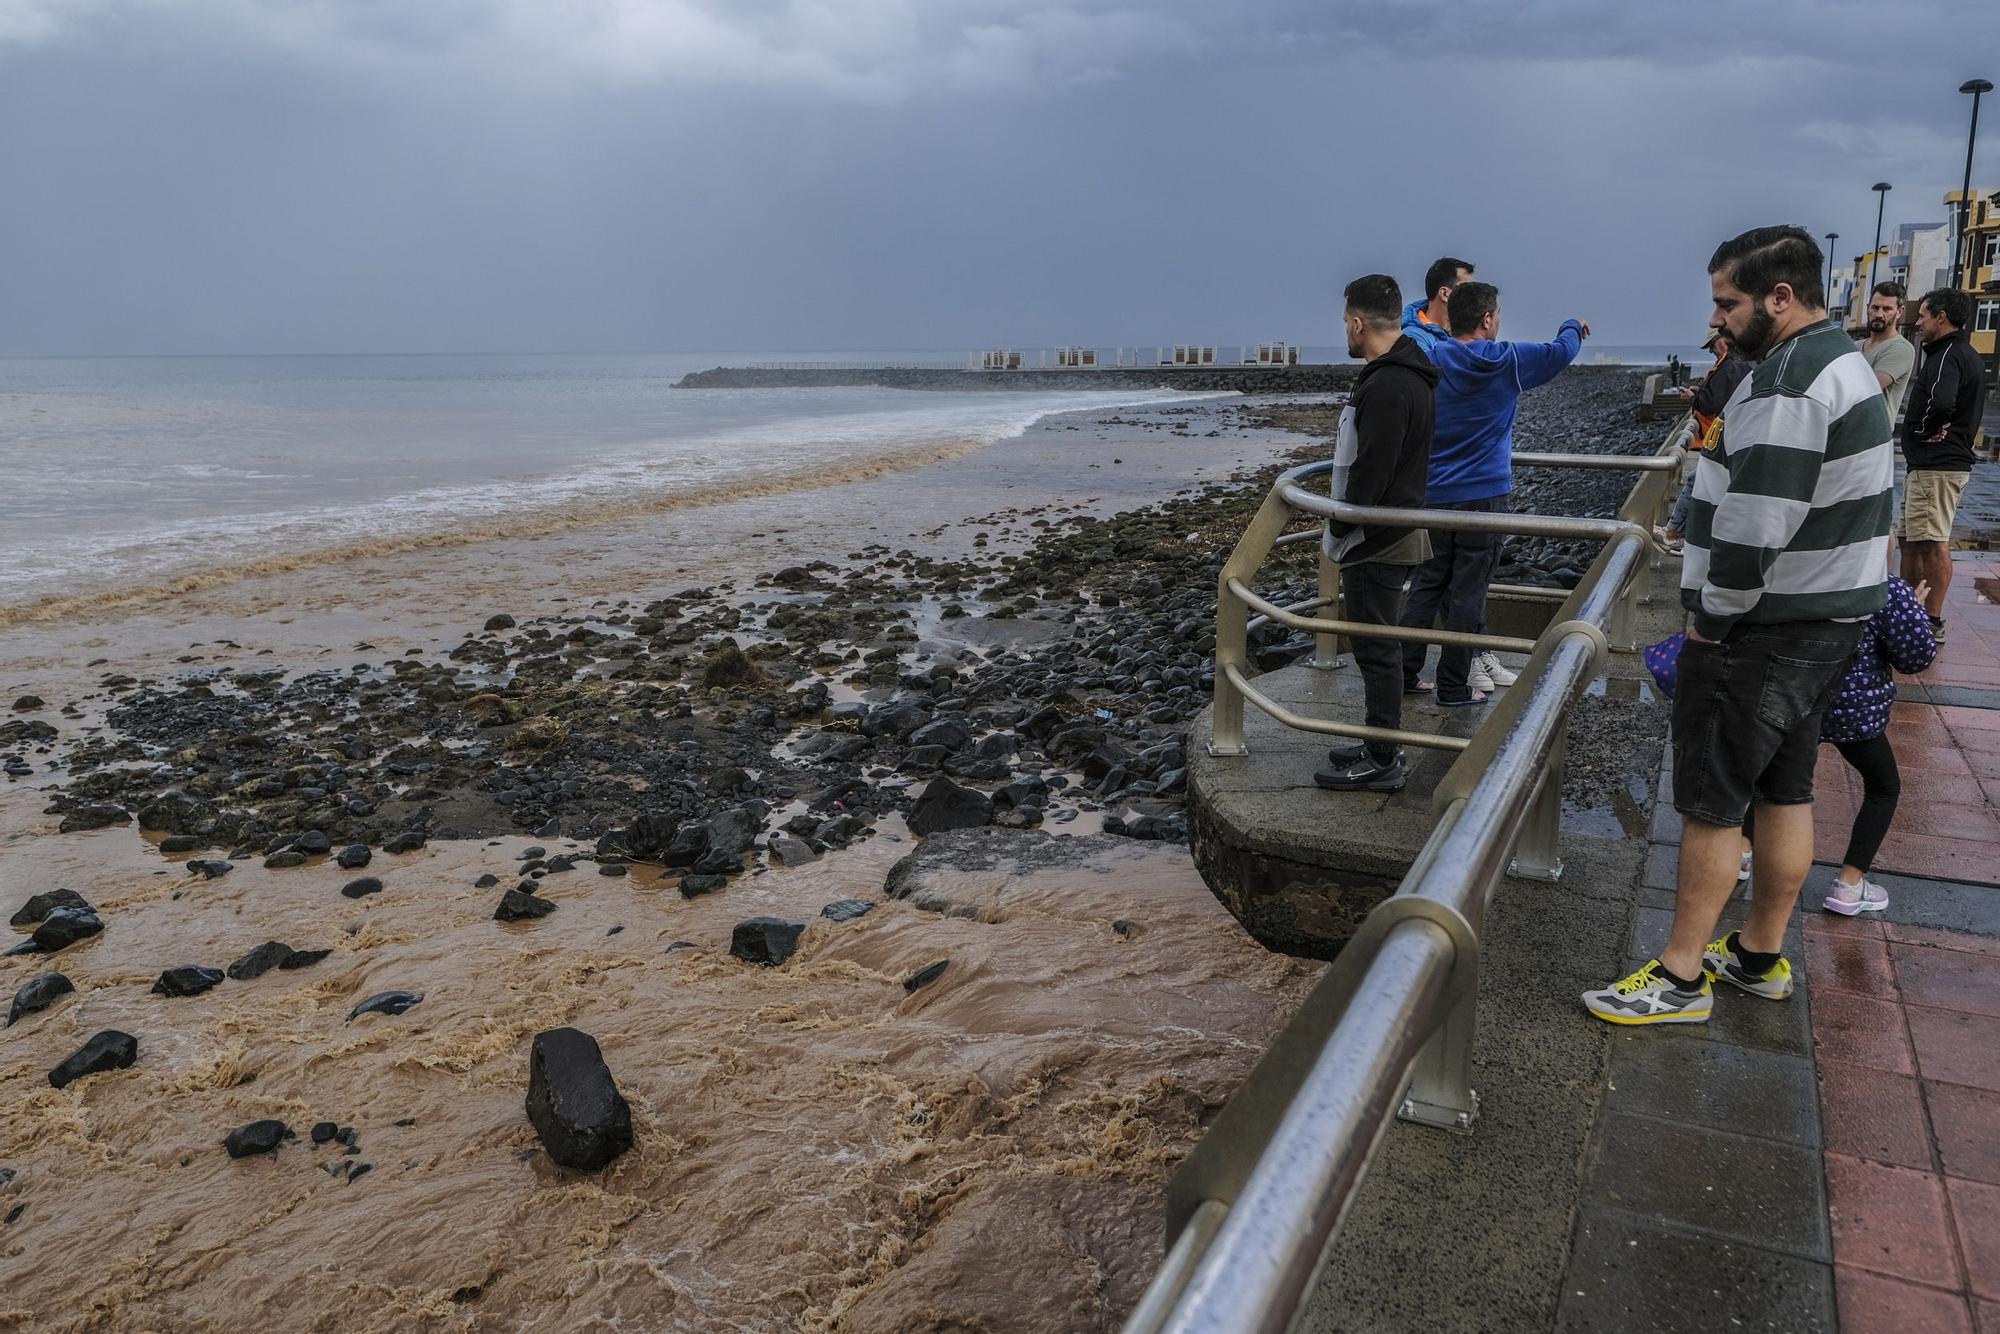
{"x":1833,"y":1161}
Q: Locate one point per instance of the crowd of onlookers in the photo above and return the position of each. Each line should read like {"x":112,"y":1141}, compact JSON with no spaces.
{"x":1784,"y":528}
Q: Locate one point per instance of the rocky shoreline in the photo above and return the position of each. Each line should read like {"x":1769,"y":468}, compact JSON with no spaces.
{"x":706,"y":732}
{"x":613,"y":1076}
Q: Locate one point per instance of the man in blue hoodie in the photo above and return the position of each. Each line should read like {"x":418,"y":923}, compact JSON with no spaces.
{"x":1426,"y":320}
{"x":1480,"y":382}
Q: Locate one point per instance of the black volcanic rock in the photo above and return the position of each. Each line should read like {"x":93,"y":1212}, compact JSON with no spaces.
{"x":187,"y":980}
{"x":108,"y":1050}
{"x":385,"y":1002}
{"x":765,"y":940}
{"x":573,"y":1102}
{"x":38,"y":993}
{"x":66,"y":926}
{"x":41,"y":905}
{"x":945,"y":805}
{"x":518,"y":905}
{"x":257,"y":1137}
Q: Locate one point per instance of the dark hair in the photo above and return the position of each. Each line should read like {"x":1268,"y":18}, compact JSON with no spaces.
{"x":1443,"y":273}
{"x":1951,"y":303}
{"x":1763,"y":257}
{"x":1896,"y":290}
{"x":1376,"y":298}
{"x":1470,"y":303}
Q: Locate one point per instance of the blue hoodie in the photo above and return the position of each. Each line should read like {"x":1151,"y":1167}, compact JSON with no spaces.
{"x":1479,"y":388}
{"x":1426,"y":334}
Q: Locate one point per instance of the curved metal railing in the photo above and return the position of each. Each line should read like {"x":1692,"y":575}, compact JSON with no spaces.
{"x":1388,"y":1030}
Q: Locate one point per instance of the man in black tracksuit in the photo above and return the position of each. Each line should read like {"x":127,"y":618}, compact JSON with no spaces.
{"x":1947,"y":398}
{"x":1390,"y":415}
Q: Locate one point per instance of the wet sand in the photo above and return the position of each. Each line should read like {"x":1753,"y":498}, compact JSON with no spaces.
{"x":815,"y":1146}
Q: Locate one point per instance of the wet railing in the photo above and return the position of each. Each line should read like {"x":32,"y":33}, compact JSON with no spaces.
{"x":1388,"y":1031}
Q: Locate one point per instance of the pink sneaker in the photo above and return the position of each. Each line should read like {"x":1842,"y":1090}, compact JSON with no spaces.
{"x":1847,"y":900}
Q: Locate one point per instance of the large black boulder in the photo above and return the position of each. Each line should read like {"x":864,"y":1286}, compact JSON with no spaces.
{"x":573,"y":1103}
{"x":518,"y":905}
{"x":945,"y":805}
{"x":950,"y":733}
{"x":354,"y":856}
{"x":765,"y":940}
{"x":108,"y":1050}
{"x":41,"y":905}
{"x":66,"y":926}
{"x":96,"y":816}
{"x":273,"y":954}
{"x":179,"y":813}
{"x":648,"y":836}
{"x":188,"y":980}
{"x":896,"y":720}
{"x":38,"y":993}
{"x":735,"y":829}
{"x":257,"y":1137}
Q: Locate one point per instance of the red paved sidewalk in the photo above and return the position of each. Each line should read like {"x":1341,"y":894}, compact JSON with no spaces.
{"x":1906,"y":1035}
{"x":1906,"y":1019}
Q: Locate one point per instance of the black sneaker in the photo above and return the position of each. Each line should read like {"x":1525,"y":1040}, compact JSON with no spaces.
{"x":1366,"y":774}
{"x":1342,"y":756}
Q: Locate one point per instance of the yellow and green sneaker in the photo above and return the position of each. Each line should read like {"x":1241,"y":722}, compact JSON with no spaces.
{"x":1721,"y":962}
{"x":1649,"y":996}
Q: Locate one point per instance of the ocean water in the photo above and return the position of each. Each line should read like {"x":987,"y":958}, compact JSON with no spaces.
{"x":128,"y":471}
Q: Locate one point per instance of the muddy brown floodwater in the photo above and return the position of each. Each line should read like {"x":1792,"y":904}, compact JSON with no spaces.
{"x":815,"y":1147}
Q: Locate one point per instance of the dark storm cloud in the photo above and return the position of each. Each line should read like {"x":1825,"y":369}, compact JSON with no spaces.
{"x":226,"y":175}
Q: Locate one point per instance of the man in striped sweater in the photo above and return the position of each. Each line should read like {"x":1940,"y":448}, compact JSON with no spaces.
{"x":1787,"y":557}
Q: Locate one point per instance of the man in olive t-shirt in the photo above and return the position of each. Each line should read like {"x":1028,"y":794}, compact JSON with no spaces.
{"x":1889,"y":354}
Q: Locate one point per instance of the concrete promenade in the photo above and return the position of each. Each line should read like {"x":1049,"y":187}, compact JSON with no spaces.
{"x":1827,"y":1163}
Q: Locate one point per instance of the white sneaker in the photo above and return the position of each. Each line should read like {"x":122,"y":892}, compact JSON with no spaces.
{"x":1847,"y":900}
{"x":1488,"y":673}
{"x":1743,"y":871}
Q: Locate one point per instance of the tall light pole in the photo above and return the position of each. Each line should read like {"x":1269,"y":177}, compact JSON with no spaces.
{"x":1977,"y":87}
{"x":1831,"y":237}
{"x":1881,"y":189}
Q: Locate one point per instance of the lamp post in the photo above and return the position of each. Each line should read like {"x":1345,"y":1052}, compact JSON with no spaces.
{"x":1977,"y":87}
{"x":1831,"y":237}
{"x":1881,"y":189}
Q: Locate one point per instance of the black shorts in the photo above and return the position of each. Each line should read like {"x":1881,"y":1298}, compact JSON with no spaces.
{"x":1747,"y":713}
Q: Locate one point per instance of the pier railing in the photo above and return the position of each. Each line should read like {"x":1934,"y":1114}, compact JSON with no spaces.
{"x":1388,"y":1031}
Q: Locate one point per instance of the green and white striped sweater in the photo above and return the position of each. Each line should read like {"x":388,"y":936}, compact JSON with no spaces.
{"x":1790,"y":516}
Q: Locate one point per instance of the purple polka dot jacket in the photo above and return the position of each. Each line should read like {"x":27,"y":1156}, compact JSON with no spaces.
{"x":1897,"y":638}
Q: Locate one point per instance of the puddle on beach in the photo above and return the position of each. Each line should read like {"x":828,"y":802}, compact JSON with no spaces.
{"x":816,"y":1147}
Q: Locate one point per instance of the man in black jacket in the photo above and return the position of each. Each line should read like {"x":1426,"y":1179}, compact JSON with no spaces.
{"x":1388,"y":420}
{"x":1947,"y":399}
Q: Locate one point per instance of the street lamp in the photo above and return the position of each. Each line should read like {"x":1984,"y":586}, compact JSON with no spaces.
{"x":1831,"y":237}
{"x":1977,"y":87}
{"x":1881,"y":189}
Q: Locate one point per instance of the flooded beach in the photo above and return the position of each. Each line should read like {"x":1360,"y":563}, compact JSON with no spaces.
{"x":816,"y":1145}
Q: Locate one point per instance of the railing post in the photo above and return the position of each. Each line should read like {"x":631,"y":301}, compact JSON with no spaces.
{"x":1538,"y":849}
{"x":1326,"y":647}
{"x":1232,"y":622}
{"x":1441,"y":1092}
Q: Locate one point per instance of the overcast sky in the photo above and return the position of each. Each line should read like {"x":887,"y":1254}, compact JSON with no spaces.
{"x":593,"y":175}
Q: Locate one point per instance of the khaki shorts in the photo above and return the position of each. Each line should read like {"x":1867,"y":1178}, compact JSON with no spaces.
{"x":1930,"y":503}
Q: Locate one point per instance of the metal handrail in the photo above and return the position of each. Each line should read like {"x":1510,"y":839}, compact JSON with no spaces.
{"x":1389,"y":1027}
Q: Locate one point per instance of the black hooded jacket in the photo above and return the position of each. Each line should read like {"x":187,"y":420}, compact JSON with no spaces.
{"x":1949,"y":393}
{"x":1393,"y":414}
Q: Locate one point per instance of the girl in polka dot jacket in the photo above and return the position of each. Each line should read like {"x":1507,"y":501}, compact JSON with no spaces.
{"x":1897,"y":638}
